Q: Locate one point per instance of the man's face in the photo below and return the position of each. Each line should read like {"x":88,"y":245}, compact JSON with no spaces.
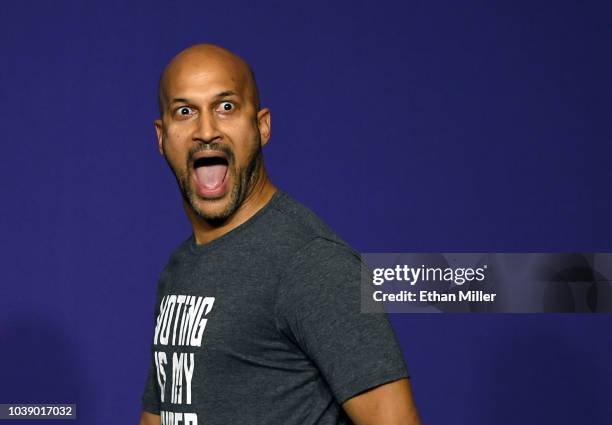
{"x":211,"y":135}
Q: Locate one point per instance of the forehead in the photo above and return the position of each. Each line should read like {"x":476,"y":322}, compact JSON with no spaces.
{"x":204,"y":77}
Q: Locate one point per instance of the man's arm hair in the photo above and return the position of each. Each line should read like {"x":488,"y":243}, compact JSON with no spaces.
{"x":149,"y":419}
{"x":389,"y":404}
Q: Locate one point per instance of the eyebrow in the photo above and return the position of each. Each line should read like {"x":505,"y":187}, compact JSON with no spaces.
{"x":226,"y":93}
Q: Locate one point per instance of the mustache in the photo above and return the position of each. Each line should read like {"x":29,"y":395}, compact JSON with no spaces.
{"x":229,"y":153}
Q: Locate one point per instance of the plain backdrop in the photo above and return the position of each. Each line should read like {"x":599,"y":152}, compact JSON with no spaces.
{"x":419,"y":126}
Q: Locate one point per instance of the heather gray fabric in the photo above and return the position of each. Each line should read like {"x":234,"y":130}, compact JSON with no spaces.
{"x":263,"y":326}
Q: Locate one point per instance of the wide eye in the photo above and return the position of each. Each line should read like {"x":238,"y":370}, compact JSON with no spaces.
{"x":184,"y":111}
{"x":225,"y":106}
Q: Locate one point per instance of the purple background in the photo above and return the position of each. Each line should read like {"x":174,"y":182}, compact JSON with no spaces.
{"x":409,"y":126}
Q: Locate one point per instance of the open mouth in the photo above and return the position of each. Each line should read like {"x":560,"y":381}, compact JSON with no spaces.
{"x":211,"y":173}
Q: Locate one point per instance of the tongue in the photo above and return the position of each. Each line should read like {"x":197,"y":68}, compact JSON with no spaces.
{"x":211,"y":176}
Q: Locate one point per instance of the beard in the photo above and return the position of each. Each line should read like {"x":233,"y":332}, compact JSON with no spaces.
{"x":243,"y":180}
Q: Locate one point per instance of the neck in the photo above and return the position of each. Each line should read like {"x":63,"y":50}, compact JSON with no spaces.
{"x":259,"y":196}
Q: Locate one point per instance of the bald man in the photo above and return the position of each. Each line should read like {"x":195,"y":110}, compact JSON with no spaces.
{"x":257,"y":315}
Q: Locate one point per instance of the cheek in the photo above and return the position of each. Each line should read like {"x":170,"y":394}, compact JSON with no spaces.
{"x":245,"y":139}
{"x":176,"y":146}
{"x":176,"y":136}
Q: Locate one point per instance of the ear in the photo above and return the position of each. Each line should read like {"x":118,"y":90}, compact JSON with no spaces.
{"x":159,"y":130}
{"x":263,"y":122}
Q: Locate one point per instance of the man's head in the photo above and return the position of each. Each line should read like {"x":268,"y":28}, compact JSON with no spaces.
{"x":211,"y":129}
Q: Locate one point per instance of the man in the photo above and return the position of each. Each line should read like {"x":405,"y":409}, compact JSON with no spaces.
{"x":257,"y":319}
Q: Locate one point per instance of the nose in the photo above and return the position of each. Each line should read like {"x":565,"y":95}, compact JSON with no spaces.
{"x":206,"y":130}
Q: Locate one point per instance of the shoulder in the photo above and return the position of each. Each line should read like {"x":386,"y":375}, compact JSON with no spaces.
{"x":322,"y":275}
{"x":178,"y":255}
{"x":295,"y":224}
{"x":323,"y":255}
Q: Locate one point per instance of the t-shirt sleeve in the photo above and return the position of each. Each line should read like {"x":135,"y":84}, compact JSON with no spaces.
{"x":151,"y":395}
{"x":150,"y":398}
{"x":318,"y":306}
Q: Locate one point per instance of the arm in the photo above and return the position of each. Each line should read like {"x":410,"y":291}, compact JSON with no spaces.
{"x":149,"y":419}
{"x":357,"y":353}
{"x":388,"y":404}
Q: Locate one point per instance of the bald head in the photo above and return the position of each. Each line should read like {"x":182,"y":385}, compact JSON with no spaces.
{"x":200,"y":57}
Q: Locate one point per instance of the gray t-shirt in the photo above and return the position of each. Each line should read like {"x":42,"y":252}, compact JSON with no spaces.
{"x":263,"y":326}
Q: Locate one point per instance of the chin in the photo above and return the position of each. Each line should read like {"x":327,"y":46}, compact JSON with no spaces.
{"x":215,"y":211}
